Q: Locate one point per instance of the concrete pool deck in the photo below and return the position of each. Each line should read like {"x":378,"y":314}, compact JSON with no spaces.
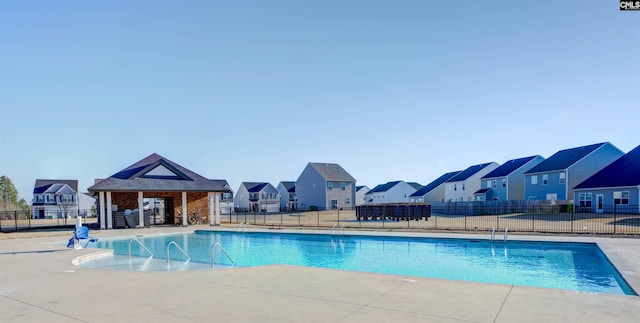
{"x":39,"y":283}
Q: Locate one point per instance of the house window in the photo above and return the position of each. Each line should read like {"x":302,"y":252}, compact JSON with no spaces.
{"x":455,"y":187}
{"x":347,"y":201}
{"x":488,"y":183}
{"x":493,"y":183}
{"x":534,"y":180}
{"x":329,"y":185}
{"x":504,"y":183}
{"x":545,"y":179}
{"x":226,"y":196}
{"x":584,"y":199}
{"x":562,"y":177}
{"x":343,"y":186}
{"x":621,"y":197}
{"x":463,"y":186}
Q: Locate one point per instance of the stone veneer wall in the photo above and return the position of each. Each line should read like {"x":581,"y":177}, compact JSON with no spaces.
{"x":196,"y":201}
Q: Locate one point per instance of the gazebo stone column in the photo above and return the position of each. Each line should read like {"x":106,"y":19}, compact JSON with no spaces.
{"x":103,"y":223}
{"x":184,"y":209}
{"x":140,"y":209}
{"x":109,"y":212}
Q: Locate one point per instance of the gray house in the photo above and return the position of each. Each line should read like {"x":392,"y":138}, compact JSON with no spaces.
{"x":288,"y":198}
{"x":615,"y":188}
{"x":257,"y":197}
{"x":556,"y":176}
{"x":507,"y":181}
{"x":325,"y":186}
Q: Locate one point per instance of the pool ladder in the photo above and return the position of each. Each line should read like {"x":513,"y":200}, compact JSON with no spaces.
{"x":141,"y":245}
{"x":213,"y":253}
{"x":493,"y":234}
{"x":181,"y":250}
{"x":242,"y":227}
{"x":337,"y":230}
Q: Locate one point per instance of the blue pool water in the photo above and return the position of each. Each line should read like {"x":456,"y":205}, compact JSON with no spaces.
{"x":571,"y":266}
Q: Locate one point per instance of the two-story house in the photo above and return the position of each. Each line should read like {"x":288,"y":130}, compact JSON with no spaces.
{"x":55,"y":198}
{"x":288,"y":198}
{"x":461,"y":188}
{"x":556,"y":176}
{"x":325,"y":186}
{"x":615,"y":187}
{"x":257,"y":197}
{"x":361,"y":190}
{"x":432,"y":192}
{"x":390,"y":192}
{"x":507,"y":181}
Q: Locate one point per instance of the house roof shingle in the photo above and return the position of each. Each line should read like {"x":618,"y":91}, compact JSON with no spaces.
{"x":463,"y":175}
{"x":289,"y":186}
{"x":254,"y":187}
{"x":43,"y":185}
{"x":624,"y":171}
{"x":332,"y":172}
{"x":564,"y":158}
{"x":383,"y":187}
{"x":509,"y":167}
{"x":133,"y":178}
{"x":415,"y":185}
{"x":431,"y":186}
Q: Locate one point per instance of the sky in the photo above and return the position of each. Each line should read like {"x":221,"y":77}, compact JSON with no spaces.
{"x":255,"y":90}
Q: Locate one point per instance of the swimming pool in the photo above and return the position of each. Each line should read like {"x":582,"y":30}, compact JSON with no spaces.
{"x":571,"y":266}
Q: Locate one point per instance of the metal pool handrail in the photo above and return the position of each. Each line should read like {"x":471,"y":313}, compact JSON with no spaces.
{"x":181,"y":250}
{"x":212,"y":248}
{"x":141,"y":245}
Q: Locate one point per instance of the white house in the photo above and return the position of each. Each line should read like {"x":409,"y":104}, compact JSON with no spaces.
{"x":434,"y":191}
{"x":55,"y":198}
{"x":257,"y":197}
{"x":390,"y":192}
{"x":360,"y":192}
{"x":461,"y":188}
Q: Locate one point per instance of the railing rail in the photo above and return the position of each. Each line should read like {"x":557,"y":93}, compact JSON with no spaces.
{"x":141,"y":245}
{"x":181,"y":250}
{"x":212,"y":248}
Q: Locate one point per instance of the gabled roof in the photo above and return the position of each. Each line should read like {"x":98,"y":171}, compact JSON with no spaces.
{"x":431,"y":186}
{"x":383,"y":187}
{"x":289,"y":186}
{"x":254,"y":187}
{"x":624,"y":171}
{"x":509,"y":167}
{"x":43,"y":185}
{"x":564,"y":158}
{"x":156,"y":173}
{"x":463,"y":175}
{"x":332,"y":172}
{"x":415,"y":185}
{"x":358,"y":188}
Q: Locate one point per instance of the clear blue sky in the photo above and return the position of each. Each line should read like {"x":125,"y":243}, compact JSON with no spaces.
{"x":254,"y":90}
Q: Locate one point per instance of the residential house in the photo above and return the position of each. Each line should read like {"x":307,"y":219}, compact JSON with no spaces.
{"x":432,"y":192}
{"x":325,"y":186}
{"x":507,"y":181}
{"x":461,"y":188}
{"x":257,"y":197}
{"x":617,"y":185}
{"x":176,"y":191}
{"x":288,"y":198}
{"x":55,"y":198}
{"x":390,"y":192}
{"x":360,"y":192}
{"x":86,"y":205}
{"x":555,"y":177}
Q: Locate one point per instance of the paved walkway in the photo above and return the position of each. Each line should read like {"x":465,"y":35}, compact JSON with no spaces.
{"x":38,"y":283}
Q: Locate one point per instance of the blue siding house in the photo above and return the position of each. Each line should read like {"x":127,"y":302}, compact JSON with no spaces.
{"x":617,"y":185}
{"x":507,"y":181}
{"x":434,"y":191}
{"x":554,"y":178}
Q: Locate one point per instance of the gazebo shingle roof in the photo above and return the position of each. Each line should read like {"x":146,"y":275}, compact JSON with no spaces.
{"x":137,"y":178}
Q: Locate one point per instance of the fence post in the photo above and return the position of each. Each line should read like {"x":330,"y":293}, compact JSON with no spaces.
{"x":615,"y":218}
{"x":15,"y":219}
{"x":572,"y":221}
{"x":29,"y":218}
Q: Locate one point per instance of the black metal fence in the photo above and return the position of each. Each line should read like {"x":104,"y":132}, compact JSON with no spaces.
{"x":462,"y":216}
{"x":23,"y":220}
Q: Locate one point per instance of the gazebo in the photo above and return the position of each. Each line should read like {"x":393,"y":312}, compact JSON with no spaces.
{"x":184,"y":192}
